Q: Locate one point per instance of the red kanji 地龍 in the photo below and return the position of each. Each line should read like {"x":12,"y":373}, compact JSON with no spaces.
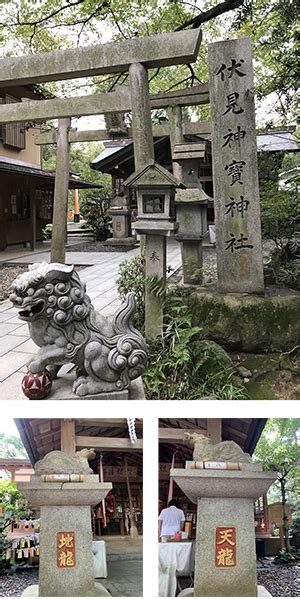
{"x":66,"y":549}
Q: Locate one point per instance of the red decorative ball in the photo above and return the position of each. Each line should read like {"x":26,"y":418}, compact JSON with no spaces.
{"x":37,"y":385}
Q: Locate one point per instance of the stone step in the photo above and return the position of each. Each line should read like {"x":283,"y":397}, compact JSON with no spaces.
{"x":80,"y":232}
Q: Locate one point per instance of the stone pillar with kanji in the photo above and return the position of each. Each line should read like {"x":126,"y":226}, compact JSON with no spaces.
{"x":64,"y":488}
{"x":235,"y":174}
{"x":224,"y":488}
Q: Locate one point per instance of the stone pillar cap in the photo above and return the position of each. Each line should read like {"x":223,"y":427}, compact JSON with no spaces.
{"x":82,"y":493}
{"x":246,"y":484}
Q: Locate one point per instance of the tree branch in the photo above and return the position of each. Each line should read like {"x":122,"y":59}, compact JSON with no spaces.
{"x":213,"y":12}
{"x":53,"y":14}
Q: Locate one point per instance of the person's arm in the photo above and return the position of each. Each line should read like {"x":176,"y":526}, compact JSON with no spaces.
{"x":159,"y":529}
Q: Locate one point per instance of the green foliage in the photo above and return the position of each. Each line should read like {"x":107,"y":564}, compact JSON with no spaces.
{"x":194,"y":271}
{"x":278,"y":450}
{"x":47,"y":231}
{"x":295,"y":526}
{"x":11,"y":446}
{"x":285,"y":558}
{"x":94,"y":212}
{"x":12,"y":504}
{"x":12,"y":501}
{"x":273,"y":27}
{"x":131,"y":277}
{"x":279,"y":210}
{"x":279,"y":215}
{"x":180,"y":365}
{"x":30,"y":27}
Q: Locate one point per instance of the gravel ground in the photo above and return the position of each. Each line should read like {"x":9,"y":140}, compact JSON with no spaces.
{"x":7,"y":275}
{"x":280,"y":581}
{"x":12,"y":585}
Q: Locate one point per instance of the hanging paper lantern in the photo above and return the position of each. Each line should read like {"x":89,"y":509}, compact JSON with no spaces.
{"x":37,"y":385}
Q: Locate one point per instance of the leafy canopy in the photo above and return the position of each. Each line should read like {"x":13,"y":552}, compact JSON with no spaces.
{"x":278,"y":449}
{"x":51,"y":24}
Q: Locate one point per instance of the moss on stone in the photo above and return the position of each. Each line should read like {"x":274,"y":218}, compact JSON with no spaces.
{"x":248,"y":322}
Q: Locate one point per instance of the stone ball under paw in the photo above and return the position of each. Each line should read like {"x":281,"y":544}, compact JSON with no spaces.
{"x":37,"y":385}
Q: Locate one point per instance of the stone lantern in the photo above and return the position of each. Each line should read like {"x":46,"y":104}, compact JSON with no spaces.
{"x":191,"y":216}
{"x":191,"y":210}
{"x":121,"y":223}
{"x":155,"y":188}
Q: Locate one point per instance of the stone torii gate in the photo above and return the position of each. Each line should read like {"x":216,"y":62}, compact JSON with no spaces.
{"x":161,"y":50}
{"x":135,"y":56}
{"x":64,"y":135}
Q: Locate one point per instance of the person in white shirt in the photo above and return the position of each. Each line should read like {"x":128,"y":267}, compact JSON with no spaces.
{"x":171,"y":519}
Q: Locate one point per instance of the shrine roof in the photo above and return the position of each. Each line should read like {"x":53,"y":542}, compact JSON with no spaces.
{"x":40,"y":436}
{"x":13,"y":168}
{"x":277,"y":141}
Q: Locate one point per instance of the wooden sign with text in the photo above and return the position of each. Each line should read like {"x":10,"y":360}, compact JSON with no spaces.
{"x":225,"y":552}
{"x":66,"y":549}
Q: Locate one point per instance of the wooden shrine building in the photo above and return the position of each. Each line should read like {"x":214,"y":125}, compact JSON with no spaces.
{"x":122,"y":461}
{"x":244,"y":431}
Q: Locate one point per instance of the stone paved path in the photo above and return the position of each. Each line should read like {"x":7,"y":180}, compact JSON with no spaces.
{"x":15,"y":345}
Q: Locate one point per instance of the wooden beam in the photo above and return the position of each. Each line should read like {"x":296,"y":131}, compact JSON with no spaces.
{"x":154,"y":51}
{"x":49,"y":137}
{"x":107,"y":422}
{"x":214,"y":429}
{"x":67,"y":436}
{"x":176,"y":435}
{"x":109,"y":443}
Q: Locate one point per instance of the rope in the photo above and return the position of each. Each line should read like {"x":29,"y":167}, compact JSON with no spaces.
{"x":131,"y":429}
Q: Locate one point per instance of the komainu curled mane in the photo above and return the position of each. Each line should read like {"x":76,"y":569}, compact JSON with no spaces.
{"x":108,"y":353}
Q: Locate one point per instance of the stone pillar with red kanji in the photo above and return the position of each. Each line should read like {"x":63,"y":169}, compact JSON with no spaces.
{"x":235,"y":174}
{"x":64,"y":489}
{"x":225,"y":561}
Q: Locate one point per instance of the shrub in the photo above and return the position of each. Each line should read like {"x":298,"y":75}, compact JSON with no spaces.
{"x":47,"y":231}
{"x":280,"y":214}
{"x":181,"y":364}
{"x":93,"y":209}
{"x":131,"y":277}
{"x":287,"y":557}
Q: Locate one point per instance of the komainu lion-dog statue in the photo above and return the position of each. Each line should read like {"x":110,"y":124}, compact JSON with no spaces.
{"x":108,"y":352}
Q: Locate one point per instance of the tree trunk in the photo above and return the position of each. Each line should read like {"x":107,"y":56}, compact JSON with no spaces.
{"x":284,"y":514}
